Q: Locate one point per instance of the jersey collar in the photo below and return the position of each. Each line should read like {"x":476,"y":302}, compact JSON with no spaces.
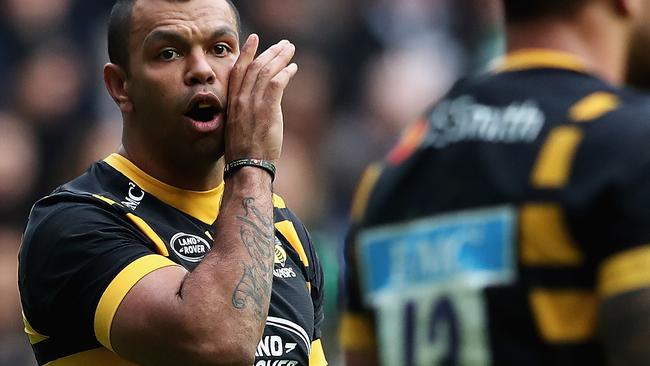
{"x":537,"y":58}
{"x":202,"y":205}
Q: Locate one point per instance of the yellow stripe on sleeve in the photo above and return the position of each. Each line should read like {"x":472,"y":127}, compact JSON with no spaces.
{"x":119,"y":288}
{"x":624,"y":272}
{"x":564,"y":316}
{"x":356,"y":332}
{"x":553,"y":166}
{"x":317,"y":356}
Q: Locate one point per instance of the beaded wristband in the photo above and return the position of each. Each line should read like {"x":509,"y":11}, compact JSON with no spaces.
{"x":235,"y":165}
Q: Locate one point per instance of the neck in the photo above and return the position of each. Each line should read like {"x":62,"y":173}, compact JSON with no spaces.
{"x":189,"y":175}
{"x":594,"y":35}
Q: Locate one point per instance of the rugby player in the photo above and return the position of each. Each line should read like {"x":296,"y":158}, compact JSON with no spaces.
{"x":511,"y":225}
{"x":151,"y":257}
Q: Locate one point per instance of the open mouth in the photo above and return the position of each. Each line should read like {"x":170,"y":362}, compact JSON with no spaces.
{"x":202,"y":111}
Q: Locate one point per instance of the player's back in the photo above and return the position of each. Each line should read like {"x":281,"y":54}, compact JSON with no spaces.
{"x":494,"y":239}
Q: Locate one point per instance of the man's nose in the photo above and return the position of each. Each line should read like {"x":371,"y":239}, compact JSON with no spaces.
{"x":199,"y":70}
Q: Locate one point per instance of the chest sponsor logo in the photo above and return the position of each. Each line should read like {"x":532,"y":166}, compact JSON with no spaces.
{"x":274,"y":350}
{"x":280,"y":270}
{"x":274,"y":346}
{"x":190,"y":247}
{"x":133,"y":197}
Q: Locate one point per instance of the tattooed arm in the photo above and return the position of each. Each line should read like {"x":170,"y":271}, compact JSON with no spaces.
{"x":216,"y":314}
{"x":255,"y":283}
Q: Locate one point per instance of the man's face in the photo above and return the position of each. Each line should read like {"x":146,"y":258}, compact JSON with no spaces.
{"x":181,"y":54}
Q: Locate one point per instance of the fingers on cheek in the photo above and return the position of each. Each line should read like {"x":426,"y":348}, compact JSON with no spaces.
{"x":274,"y":91}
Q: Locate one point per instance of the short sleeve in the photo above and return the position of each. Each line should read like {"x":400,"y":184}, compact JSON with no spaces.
{"x":71,"y":254}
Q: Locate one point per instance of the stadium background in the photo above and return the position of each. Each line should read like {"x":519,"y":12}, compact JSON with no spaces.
{"x":367,"y":68}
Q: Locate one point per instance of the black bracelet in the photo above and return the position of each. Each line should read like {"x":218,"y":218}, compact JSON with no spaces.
{"x":235,"y":165}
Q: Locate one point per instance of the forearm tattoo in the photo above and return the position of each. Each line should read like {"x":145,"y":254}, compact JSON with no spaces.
{"x":254,"y":287}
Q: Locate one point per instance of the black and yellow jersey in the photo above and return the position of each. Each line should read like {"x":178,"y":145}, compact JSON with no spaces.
{"x":89,"y":242}
{"x":495,"y":228}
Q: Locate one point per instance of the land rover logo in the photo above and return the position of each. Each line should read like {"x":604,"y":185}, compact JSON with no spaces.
{"x":189,"y":247}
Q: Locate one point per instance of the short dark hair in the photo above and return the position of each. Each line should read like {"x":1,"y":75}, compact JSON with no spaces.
{"x":522,"y":10}
{"x":119,"y":28}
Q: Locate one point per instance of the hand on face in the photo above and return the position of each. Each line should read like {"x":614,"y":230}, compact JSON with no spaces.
{"x":254,"y":126}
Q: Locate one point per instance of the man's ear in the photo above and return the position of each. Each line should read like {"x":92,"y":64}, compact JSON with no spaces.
{"x":117,"y":86}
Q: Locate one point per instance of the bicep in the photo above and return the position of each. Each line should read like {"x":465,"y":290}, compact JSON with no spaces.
{"x":147,"y":324}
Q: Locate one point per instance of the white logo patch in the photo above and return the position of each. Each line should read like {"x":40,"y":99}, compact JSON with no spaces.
{"x":132,"y":200}
{"x":280,"y":261}
{"x":189,"y":247}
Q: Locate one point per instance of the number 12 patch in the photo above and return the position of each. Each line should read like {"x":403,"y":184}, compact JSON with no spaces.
{"x":425,"y":278}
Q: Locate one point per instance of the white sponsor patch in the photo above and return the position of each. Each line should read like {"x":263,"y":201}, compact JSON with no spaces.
{"x":133,"y":197}
{"x":280,"y":270}
{"x":189,"y":247}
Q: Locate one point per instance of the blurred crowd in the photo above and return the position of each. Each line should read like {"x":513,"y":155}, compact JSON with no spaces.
{"x":367,"y":68}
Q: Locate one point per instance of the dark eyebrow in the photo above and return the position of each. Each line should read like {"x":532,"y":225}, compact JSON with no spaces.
{"x":173,"y":37}
{"x":164,"y":35}
{"x":220,"y":32}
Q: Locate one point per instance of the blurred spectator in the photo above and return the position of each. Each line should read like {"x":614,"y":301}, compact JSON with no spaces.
{"x":48,"y":84}
{"x":14,"y":349}
{"x":307,"y":104}
{"x":18,"y":168}
{"x":301,"y":182}
{"x":396,"y":91}
{"x":279,"y":19}
{"x":397,"y":86}
{"x":49,"y":95}
{"x":394,"y":21}
{"x":34,"y":19}
{"x":101,"y":140}
{"x":26,"y":24}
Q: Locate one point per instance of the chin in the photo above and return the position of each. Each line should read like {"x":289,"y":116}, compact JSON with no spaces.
{"x":209,"y":149}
